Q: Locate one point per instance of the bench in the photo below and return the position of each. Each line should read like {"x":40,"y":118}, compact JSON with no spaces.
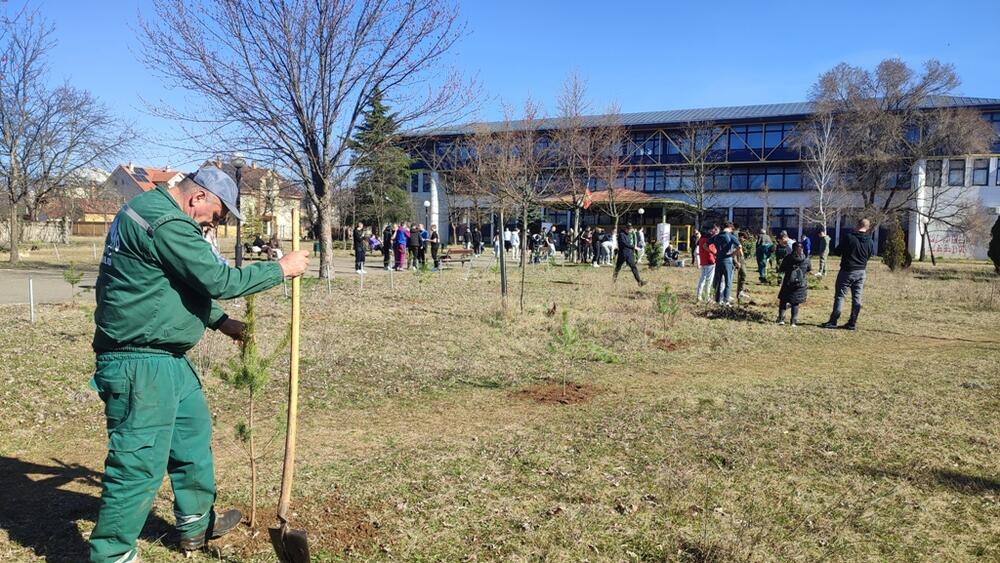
{"x":461,"y":255}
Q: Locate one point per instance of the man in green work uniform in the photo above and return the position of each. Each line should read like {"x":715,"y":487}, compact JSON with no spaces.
{"x":158,"y":281}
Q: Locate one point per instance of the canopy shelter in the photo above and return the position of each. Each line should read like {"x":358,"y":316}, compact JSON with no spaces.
{"x":600,"y":201}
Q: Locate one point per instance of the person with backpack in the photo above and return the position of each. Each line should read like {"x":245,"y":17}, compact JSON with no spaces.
{"x":413,"y":246}
{"x":794,"y":288}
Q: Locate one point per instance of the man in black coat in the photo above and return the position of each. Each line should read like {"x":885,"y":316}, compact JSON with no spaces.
{"x":626,"y":254}
{"x":387,"y":236}
{"x":855,"y":251}
{"x":359,"y":248}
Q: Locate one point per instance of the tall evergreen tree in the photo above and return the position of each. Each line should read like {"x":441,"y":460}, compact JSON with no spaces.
{"x":383,"y":167}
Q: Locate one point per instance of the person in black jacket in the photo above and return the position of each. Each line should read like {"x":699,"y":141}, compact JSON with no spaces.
{"x":435,"y":241}
{"x":855,"y":251}
{"x":626,"y":254}
{"x":794,"y":287}
{"x":413,"y":245}
{"x":359,"y":248}
{"x":387,"y":236}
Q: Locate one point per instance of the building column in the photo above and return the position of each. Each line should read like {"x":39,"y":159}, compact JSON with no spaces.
{"x":836,"y":238}
{"x":916,"y":242}
{"x":435,"y":205}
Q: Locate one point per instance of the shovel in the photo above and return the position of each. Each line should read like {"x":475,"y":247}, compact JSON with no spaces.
{"x":290,"y":544}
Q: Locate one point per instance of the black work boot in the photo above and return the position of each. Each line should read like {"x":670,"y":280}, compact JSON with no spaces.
{"x":853,"y":320}
{"x":221,"y":523}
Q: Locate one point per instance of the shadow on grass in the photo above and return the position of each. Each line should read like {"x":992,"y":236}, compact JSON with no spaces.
{"x":39,"y":514}
{"x":960,"y":482}
{"x":930,"y":336}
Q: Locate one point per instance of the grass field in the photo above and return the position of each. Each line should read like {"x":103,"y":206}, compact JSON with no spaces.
{"x":711,"y":439}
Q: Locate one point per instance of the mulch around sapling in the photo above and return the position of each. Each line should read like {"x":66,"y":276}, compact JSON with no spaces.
{"x":557,"y":394}
{"x":331,"y":524}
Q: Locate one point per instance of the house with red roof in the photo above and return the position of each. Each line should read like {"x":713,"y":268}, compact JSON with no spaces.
{"x":130,"y":180}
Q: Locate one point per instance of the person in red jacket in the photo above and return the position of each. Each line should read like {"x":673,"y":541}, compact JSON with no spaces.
{"x":706,"y":257}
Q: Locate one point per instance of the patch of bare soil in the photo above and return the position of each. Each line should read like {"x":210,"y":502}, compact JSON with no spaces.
{"x":558,"y":394}
{"x":331,"y":525}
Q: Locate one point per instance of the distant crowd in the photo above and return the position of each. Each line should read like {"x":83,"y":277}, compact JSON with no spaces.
{"x":722,"y":253}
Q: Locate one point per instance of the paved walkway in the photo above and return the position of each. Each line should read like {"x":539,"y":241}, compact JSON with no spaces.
{"x":50,"y":287}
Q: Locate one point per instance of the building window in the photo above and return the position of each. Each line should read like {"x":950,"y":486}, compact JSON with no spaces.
{"x":777,"y":135}
{"x":994,"y":118}
{"x":784,"y":219}
{"x":748,"y":218}
{"x":672,"y":180}
{"x":738,"y":179}
{"x":645,"y":144}
{"x":718,"y":181}
{"x":746,"y":137}
{"x":427,"y":183}
{"x":956,"y":172}
{"x":933,"y":176}
{"x":415,"y":182}
{"x":980,"y":171}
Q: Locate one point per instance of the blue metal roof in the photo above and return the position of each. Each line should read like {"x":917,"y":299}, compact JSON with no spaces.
{"x":696,"y":115}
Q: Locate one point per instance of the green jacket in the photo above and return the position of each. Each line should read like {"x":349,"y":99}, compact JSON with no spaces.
{"x":156,"y":285}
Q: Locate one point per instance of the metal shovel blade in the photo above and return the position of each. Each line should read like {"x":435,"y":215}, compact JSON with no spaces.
{"x":289,"y":544}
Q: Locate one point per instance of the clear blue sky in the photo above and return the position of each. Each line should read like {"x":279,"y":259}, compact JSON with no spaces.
{"x":644,"y":55}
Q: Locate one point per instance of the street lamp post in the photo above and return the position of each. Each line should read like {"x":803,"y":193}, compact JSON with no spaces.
{"x":238,"y":163}
{"x":427,"y":214}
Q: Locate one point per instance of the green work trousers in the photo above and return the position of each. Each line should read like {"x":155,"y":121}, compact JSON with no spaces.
{"x":822,"y":264}
{"x":158,"y":422}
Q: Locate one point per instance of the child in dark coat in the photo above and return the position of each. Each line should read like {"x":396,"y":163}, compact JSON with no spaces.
{"x":794,"y":287}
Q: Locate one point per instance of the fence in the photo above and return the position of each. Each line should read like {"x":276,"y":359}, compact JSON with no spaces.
{"x":56,"y":230}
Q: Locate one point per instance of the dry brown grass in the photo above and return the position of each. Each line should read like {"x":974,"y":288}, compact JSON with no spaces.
{"x":746,"y":442}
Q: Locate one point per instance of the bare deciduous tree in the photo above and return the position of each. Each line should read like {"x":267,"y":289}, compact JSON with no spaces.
{"x":47,"y":135}
{"x":889,"y":119}
{"x":614,"y":169}
{"x":696,"y":143}
{"x":287,"y":80}
{"x":821,"y":144}
{"x":574,"y":145}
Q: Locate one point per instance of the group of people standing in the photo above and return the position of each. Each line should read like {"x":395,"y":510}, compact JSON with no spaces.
{"x":720,"y":252}
{"x":400,"y":244}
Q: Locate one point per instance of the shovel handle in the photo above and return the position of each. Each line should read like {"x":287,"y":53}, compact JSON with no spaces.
{"x":288,"y":470}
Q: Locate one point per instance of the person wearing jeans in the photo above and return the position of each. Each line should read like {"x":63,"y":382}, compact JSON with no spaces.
{"x":725,"y":247}
{"x":706,"y":257}
{"x":856,"y":249}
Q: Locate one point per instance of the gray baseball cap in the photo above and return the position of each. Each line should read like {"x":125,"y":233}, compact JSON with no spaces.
{"x":219,"y":183}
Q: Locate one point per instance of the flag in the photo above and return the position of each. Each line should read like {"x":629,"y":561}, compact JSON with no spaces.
{"x":586,"y":198}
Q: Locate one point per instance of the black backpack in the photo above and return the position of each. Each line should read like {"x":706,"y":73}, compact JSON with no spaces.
{"x":796,"y":278}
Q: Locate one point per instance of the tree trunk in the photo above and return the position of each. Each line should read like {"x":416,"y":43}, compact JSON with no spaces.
{"x":524,"y":223}
{"x":15,"y":234}
{"x":325,"y":212}
{"x":253,"y":466}
{"x":930,"y":248}
{"x":501,"y":255}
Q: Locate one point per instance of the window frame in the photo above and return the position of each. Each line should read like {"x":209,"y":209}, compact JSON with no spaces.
{"x":952,"y":170}
{"x":938,"y":173}
{"x":985,"y":169}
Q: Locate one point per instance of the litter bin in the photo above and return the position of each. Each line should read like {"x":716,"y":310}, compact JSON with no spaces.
{"x":316,"y":246}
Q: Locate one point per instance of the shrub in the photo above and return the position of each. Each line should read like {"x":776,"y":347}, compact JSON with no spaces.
{"x":994,"y":249}
{"x":894,"y":254}
{"x":654,"y":254}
